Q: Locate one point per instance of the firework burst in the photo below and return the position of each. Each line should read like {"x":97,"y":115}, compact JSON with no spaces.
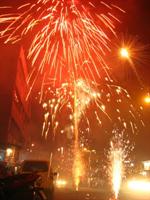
{"x":70,"y":37}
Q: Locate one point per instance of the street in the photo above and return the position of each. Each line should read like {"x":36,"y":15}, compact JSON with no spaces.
{"x":64,"y":194}
{"x":79,"y":195}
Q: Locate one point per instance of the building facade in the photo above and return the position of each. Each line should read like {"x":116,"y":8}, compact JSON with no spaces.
{"x":15,"y":110}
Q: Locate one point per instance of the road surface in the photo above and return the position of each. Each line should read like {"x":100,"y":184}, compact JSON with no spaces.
{"x":65,"y":194}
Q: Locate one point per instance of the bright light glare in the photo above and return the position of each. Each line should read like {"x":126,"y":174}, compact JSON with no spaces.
{"x":61,"y":183}
{"x":9,"y":152}
{"x":117,"y":171}
{"x":139,"y":185}
{"x":146,"y":165}
{"x":147,"y":99}
{"x":124,"y":52}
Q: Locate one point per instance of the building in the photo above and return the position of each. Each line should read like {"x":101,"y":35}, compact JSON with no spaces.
{"x":14,"y":109}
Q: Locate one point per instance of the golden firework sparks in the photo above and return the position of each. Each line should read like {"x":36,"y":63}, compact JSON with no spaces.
{"x":70,"y":37}
{"x":118,"y":154}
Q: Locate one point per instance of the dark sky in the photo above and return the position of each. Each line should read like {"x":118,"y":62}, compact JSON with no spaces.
{"x":135,"y":23}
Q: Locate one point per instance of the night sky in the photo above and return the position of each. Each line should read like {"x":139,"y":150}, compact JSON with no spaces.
{"x":134,"y":23}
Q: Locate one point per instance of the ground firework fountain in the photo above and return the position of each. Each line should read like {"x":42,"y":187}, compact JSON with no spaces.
{"x":74,"y":98}
{"x":77,"y":165}
{"x":118,"y":152}
{"x":117,"y":168}
{"x":83,"y":96}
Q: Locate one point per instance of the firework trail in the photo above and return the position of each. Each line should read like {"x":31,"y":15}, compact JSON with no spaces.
{"x":71,"y":98}
{"x":118,"y":154}
{"x":108,"y":103}
{"x":81,"y":96}
{"x":70,"y":37}
{"x":77,"y":170}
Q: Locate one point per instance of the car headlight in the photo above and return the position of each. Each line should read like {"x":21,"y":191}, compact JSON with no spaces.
{"x":139,"y":185}
{"x":61,"y":183}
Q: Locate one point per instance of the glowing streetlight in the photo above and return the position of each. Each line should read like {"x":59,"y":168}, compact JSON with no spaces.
{"x":124,"y":52}
{"x":147,"y":99}
{"x":9,"y":152}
